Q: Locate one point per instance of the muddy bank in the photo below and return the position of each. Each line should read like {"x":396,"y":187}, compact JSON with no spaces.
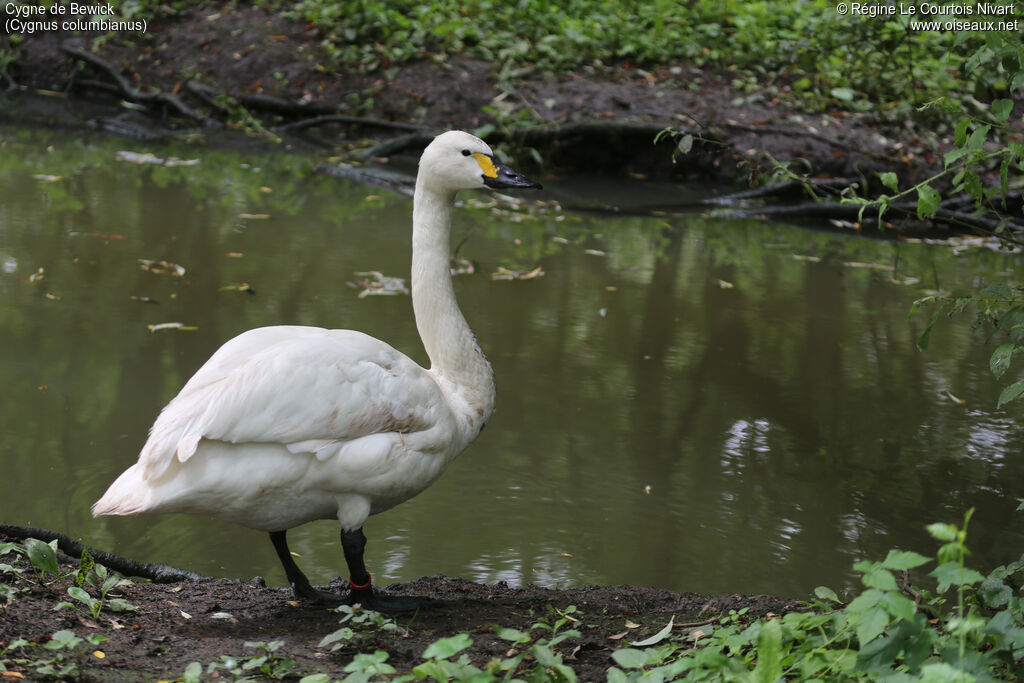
{"x":173,"y":624}
{"x":194,"y":71}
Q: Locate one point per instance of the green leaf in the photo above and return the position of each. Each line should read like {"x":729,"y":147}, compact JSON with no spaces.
{"x":43,"y":556}
{"x":1001,"y":109}
{"x":960,"y":133}
{"x":514,"y":635}
{"x":826,"y":593}
{"x":842,"y":94}
{"x":84,"y":567}
{"x":977,"y":138}
{"x":899,"y":606}
{"x":942,"y":532}
{"x":1000,"y":360}
{"x":685,"y":143}
{"x":867,"y":600}
{"x":80,"y":595}
{"x":870,"y":624}
{"x":928,"y":200}
{"x":657,"y":637}
{"x":447,"y":647}
{"x":890,"y":180}
{"x":769,"y":653}
{"x":952,"y":574}
{"x":904,"y":559}
{"x":194,"y":674}
{"x":1010,"y":393}
{"x":628,"y":658}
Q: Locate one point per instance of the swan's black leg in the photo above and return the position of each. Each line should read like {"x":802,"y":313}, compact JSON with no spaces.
{"x":353,"y":543}
{"x":300,"y":584}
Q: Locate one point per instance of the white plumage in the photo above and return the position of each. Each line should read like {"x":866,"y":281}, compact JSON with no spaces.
{"x":285,"y":425}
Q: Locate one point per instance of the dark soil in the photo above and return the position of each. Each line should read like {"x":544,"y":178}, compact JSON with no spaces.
{"x":199,"y":621}
{"x":276,"y":69}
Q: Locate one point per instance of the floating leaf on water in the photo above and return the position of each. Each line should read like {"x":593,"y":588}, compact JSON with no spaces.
{"x":171,"y":326}
{"x":375,"y":283}
{"x":560,"y":240}
{"x":235,"y":254}
{"x":594,"y":252}
{"x":265,"y":190}
{"x":238,"y":287}
{"x":36,"y":276}
{"x":462,"y":266}
{"x":104,"y":236}
{"x":809,"y":259}
{"x":871,"y":266}
{"x":954,"y":398}
{"x":507,"y":274}
{"x":47,"y":178}
{"x":150,"y":158}
{"x":161,"y":267}
{"x":52,"y":297}
{"x":143,"y":299}
{"x":254,"y":216}
{"x":724,"y":285}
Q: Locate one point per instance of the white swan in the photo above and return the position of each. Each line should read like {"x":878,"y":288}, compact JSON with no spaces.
{"x":285,"y":425}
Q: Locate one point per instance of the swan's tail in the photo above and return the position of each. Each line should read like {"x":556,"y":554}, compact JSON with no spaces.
{"x":128,"y":495}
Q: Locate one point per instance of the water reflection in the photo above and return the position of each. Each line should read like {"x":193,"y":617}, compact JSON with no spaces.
{"x":687,"y":403}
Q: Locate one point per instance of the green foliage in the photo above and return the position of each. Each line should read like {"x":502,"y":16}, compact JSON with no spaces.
{"x":1000,"y":308}
{"x":359,"y":627}
{"x":882,"y":634}
{"x":42,"y":557}
{"x":268,"y":665}
{"x":59,"y":658}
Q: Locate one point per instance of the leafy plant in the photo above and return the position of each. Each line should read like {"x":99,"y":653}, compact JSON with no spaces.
{"x":360,"y":625}
{"x":42,"y":557}
{"x":888,"y":632}
{"x":268,"y":665}
{"x":64,"y":663}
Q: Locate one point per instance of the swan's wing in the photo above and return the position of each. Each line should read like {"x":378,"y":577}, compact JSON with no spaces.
{"x":306,"y":388}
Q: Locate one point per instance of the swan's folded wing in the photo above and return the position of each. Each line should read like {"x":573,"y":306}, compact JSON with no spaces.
{"x":306,"y":389}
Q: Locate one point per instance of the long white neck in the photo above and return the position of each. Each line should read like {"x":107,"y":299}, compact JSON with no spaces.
{"x":451,"y":345}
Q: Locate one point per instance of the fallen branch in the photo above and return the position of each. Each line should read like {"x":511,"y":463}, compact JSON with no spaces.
{"x":342,"y":118}
{"x":157,"y":573}
{"x":125,"y":89}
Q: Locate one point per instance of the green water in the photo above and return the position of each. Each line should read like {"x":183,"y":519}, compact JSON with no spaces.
{"x":684,"y":402}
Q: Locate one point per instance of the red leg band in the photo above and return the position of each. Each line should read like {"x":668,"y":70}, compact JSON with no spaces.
{"x":355,"y":586}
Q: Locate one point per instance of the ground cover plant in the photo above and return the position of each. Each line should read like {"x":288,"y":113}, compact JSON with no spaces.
{"x":965,"y":626}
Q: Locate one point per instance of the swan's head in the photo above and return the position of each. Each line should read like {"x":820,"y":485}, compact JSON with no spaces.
{"x":459,"y":161}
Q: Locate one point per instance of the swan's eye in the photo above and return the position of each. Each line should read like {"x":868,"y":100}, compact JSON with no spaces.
{"x":465,"y":152}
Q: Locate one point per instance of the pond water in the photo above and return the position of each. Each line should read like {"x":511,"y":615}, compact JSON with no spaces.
{"x":684,"y":402}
